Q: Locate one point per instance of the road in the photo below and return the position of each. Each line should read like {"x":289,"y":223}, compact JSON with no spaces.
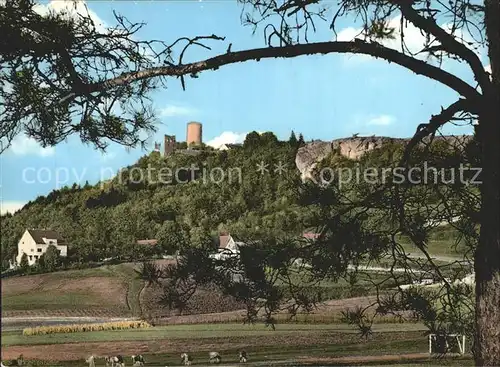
{"x":446,"y":259}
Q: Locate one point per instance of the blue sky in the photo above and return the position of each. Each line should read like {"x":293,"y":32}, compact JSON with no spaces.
{"x":322,"y":97}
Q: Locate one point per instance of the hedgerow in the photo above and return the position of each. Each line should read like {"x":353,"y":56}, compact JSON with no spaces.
{"x":121,"y":325}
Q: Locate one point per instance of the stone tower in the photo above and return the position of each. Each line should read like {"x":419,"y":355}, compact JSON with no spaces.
{"x":169,"y":145}
{"x":194,"y":133}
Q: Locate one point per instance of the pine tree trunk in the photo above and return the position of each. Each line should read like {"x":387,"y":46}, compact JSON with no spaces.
{"x":487,"y":257}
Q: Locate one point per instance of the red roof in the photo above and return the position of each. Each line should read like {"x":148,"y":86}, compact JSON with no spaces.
{"x":151,"y":242}
{"x":310,"y":235}
{"x":223,"y":240}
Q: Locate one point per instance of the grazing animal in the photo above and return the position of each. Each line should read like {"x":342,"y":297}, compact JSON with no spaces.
{"x":243,"y":356}
{"x":214,"y":357}
{"x":186,"y":359}
{"x":15,"y":362}
{"x":90,"y":361}
{"x":119,"y":362}
{"x":138,"y":360}
{"x":115,"y":361}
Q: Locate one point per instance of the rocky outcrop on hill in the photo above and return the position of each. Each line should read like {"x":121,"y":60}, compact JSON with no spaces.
{"x":353,"y":148}
{"x":310,"y":155}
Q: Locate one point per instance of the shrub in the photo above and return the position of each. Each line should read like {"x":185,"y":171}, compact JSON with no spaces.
{"x":122,"y":325}
{"x":23,"y":264}
{"x":206,"y":299}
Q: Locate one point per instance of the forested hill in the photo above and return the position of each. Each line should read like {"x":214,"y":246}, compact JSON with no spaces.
{"x":186,"y":199}
{"x":102,"y":221}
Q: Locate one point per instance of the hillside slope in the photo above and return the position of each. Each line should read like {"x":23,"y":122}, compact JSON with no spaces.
{"x":110,"y":291}
{"x":106,"y":219}
{"x":107,"y":291}
{"x":241,"y":191}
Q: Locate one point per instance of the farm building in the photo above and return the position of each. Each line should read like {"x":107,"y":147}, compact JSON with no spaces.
{"x":34,"y":243}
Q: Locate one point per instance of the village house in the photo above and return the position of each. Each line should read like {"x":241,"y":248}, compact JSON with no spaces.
{"x":227,"y":247}
{"x":310,"y":235}
{"x":228,"y":244}
{"x":151,"y":242}
{"x":149,"y":246}
{"x":34,"y":243}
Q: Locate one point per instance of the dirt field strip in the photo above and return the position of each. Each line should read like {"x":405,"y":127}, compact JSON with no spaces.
{"x":366,"y":359}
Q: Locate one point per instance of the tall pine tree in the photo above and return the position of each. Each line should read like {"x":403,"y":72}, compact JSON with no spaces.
{"x":293,"y":140}
{"x":301,"y":141}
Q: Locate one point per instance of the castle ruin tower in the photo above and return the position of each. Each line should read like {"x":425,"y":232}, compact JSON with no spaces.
{"x":194,"y":133}
{"x":169,"y":145}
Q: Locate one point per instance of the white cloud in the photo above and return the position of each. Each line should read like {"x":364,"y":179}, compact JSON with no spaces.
{"x":349,"y":34}
{"x":414,"y":39}
{"x":174,"y":110}
{"x":227,"y":137}
{"x":382,"y":120}
{"x":488,"y":70}
{"x":10,"y":206}
{"x":24,"y":145}
{"x":71,"y":8}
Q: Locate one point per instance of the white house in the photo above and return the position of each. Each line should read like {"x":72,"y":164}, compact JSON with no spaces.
{"x":34,"y":243}
{"x":228,"y":247}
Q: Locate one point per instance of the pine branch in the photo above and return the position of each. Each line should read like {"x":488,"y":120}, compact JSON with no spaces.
{"x":358,"y":47}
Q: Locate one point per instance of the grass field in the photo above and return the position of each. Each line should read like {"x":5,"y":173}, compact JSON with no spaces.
{"x":199,"y":331}
{"x":104,"y":291}
{"x":438,"y":248}
{"x":442,"y":241}
{"x":288,"y":344}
